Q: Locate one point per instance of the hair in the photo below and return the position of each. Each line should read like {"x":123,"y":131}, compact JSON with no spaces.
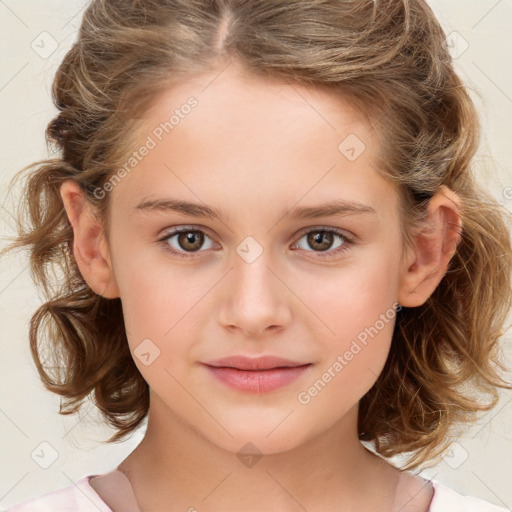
{"x":388,"y":58}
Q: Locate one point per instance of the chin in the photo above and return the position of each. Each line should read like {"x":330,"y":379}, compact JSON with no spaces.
{"x":257,"y":441}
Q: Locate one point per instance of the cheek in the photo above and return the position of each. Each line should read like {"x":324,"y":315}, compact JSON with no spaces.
{"x":156,"y":303}
{"x":352,"y":297}
{"x":156,"y":309}
{"x":356,"y":307}
{"x":353,"y":357}
{"x":154,"y":296}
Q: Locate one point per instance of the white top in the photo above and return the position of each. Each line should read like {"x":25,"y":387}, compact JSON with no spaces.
{"x":81,"y":497}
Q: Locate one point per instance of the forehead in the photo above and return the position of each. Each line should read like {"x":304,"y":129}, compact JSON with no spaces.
{"x":232,"y":98}
{"x":254,"y":137}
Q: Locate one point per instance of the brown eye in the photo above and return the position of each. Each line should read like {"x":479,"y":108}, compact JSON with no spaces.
{"x":320,"y":240}
{"x":185,"y":241}
{"x":190,"y":240}
{"x":323,"y":242}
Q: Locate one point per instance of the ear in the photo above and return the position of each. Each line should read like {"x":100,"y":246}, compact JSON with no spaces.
{"x":90,"y":247}
{"x":435,"y":244}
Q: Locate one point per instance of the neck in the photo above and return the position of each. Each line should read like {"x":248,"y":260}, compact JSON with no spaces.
{"x":175,"y":464}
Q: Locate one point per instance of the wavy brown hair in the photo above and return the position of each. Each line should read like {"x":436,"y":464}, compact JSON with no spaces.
{"x":388,"y":58}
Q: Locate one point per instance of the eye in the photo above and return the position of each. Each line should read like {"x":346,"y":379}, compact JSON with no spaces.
{"x":188,"y":240}
{"x":321,"y":239}
{"x":185,"y":241}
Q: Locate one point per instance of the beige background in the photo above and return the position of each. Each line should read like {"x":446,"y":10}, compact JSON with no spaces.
{"x":480,"y":462}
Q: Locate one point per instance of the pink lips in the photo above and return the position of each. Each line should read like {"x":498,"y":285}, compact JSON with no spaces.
{"x":256,"y":375}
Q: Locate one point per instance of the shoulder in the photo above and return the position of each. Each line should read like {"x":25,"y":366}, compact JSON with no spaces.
{"x":448,"y":500}
{"x":79,"y":497}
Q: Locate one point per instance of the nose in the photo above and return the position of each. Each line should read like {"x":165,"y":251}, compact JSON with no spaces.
{"x":255,"y":297}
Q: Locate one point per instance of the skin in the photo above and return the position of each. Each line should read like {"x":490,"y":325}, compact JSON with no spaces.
{"x":255,"y":148}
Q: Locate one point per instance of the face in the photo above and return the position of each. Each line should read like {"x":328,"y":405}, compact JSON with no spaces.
{"x":260,"y":277}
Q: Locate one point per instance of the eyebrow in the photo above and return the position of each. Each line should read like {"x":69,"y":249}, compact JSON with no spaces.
{"x":327,"y":209}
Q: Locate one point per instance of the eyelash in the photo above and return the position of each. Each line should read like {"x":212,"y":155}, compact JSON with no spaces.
{"x":347,"y":241}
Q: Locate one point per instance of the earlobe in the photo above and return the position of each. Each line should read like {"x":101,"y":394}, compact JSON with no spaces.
{"x":435,"y":245}
{"x":90,"y":247}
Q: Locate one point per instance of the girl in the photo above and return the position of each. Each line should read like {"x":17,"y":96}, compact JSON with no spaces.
{"x":273,"y":248}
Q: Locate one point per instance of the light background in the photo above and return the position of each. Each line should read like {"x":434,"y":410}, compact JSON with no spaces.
{"x":479,"y":464}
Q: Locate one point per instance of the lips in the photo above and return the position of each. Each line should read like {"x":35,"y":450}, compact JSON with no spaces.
{"x":255,"y":363}
{"x":256,"y":375}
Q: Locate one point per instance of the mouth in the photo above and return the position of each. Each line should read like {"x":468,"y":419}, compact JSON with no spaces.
{"x":256,"y":375}
{"x":258,"y":363}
